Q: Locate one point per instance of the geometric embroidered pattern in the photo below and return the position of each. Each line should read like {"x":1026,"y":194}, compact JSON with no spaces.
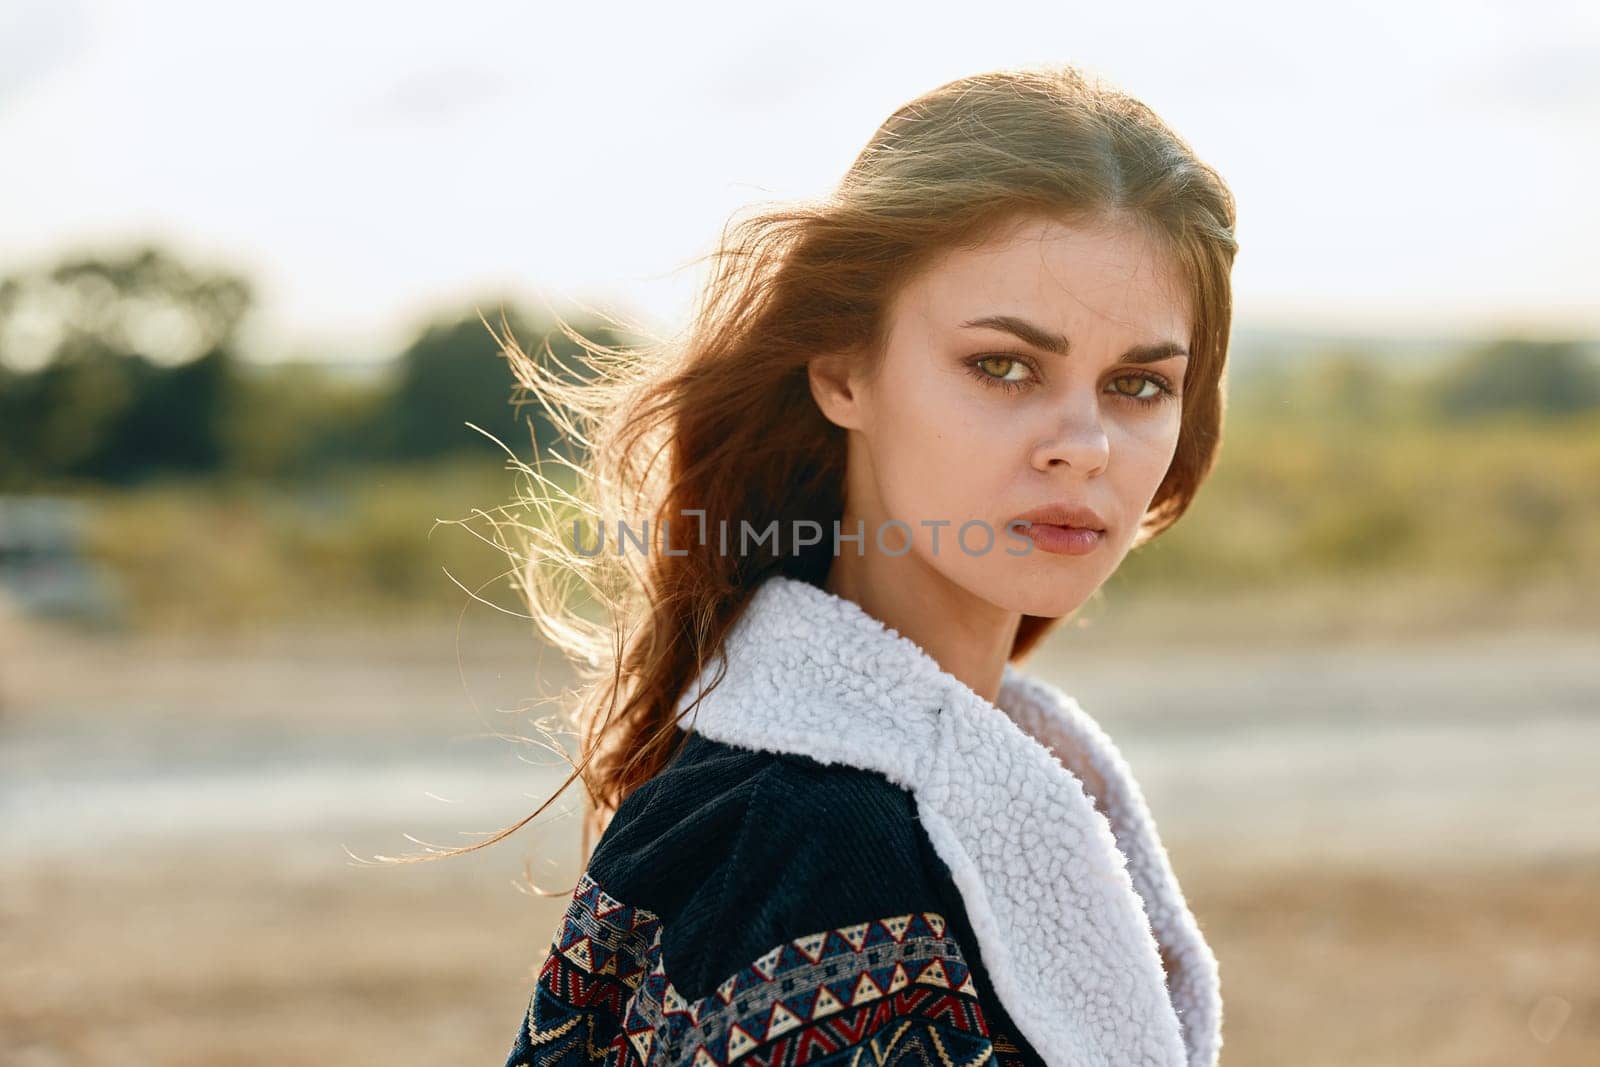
{"x":894,"y":990}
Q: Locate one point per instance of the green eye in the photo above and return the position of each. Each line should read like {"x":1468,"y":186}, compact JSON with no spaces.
{"x":1162,"y":390}
{"x":1007,"y":360}
{"x":983,"y":368}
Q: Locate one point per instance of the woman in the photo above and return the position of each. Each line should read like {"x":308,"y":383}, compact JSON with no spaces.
{"x":913,"y":426}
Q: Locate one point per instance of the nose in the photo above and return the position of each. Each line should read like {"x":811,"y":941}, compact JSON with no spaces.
{"x":1076,"y":441}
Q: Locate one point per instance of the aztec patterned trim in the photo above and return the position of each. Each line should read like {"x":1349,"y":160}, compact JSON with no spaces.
{"x":892,"y":990}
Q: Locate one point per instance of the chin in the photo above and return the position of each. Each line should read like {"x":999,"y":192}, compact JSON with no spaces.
{"x":1051,"y":607}
{"x":1049,"y":592}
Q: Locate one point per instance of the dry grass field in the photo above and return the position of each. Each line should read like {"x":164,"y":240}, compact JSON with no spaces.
{"x":1415,"y":884}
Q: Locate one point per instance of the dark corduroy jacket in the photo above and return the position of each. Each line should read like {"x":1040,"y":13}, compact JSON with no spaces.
{"x":853,"y":857}
{"x":798,"y":911}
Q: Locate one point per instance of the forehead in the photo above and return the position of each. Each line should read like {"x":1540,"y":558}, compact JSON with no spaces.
{"x":1106,"y":276}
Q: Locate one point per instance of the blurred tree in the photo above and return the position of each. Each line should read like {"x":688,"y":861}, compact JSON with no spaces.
{"x":305,"y":419}
{"x":117,"y":367}
{"x":455,"y":373}
{"x":1516,"y":375}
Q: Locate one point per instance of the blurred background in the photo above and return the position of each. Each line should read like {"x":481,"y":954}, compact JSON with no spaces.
{"x":255,"y":441}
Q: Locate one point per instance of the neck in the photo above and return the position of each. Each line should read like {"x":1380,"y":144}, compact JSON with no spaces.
{"x":967,"y":636}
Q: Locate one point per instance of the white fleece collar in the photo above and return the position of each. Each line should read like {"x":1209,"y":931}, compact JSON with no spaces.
{"x":1071,"y":907}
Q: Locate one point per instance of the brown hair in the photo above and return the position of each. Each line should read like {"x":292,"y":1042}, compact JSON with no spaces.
{"x":721,"y":421}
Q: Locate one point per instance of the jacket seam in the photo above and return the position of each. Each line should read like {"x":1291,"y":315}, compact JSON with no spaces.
{"x":735,"y":857}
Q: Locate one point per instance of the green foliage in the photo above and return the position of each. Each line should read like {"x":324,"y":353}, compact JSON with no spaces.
{"x":117,"y":368}
{"x":1534,"y":377}
{"x":450,"y":375}
{"x":455,"y":373}
{"x":192,"y":556}
{"x":121,"y":369}
{"x":1307,"y":488}
{"x":302,"y":422}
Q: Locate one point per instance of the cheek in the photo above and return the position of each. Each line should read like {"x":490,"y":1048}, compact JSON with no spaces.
{"x":1143,"y":449}
{"x":938,"y":454}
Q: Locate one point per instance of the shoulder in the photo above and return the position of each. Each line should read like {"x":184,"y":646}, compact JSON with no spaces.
{"x":735,"y":851}
{"x":750,"y":903}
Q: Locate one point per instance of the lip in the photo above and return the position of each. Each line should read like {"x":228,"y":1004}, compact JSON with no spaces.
{"x":1071,"y":516}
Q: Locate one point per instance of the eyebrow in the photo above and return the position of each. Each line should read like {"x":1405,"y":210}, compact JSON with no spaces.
{"x":1039,"y":337}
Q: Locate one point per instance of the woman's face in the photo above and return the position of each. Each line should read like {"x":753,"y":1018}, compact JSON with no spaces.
{"x":1043,"y":368}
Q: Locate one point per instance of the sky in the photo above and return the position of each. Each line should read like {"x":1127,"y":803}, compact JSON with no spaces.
{"x":1399,"y":167}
